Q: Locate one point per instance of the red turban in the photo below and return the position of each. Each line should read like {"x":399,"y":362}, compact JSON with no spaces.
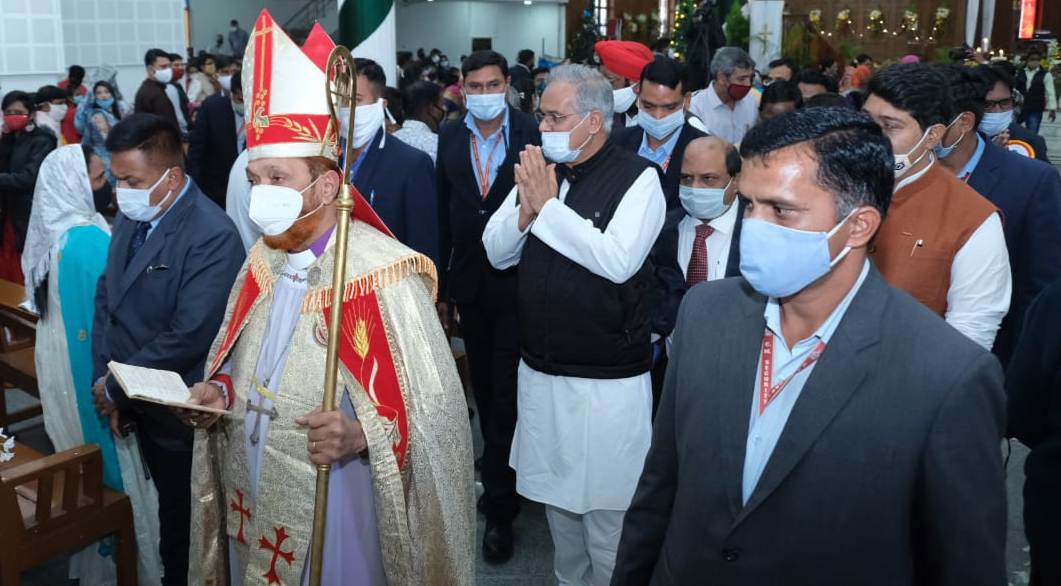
{"x":625,"y":58}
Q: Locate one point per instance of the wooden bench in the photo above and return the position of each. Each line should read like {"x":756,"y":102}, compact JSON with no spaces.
{"x":17,"y":367}
{"x":50,"y":505}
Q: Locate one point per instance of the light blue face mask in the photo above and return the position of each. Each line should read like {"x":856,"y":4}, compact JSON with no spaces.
{"x":703,"y":203}
{"x":660,"y":128}
{"x":994,"y":123}
{"x":942,"y":152}
{"x":780,"y":262}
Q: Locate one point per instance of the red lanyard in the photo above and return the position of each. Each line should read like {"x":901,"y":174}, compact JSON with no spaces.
{"x":666,"y":163}
{"x":767,"y":390}
{"x":484,"y":173}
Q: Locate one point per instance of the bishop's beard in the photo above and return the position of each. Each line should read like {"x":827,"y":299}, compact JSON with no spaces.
{"x":295,"y":237}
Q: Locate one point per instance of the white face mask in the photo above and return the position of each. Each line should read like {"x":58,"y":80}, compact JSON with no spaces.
{"x":226,"y":82}
{"x":704,"y":203}
{"x":163,"y":75}
{"x":367,"y":121}
{"x":485,"y":106}
{"x":57,"y":112}
{"x":624,"y":98}
{"x":903,"y":164}
{"x":556,"y":146}
{"x":136,"y":203}
{"x":275,"y":208}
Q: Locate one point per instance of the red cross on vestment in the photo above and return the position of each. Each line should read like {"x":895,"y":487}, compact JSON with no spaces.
{"x":288,"y":556}
{"x":243,"y":512}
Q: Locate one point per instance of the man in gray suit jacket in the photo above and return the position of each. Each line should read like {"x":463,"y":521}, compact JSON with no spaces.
{"x":866,"y":452}
{"x":173,"y":257}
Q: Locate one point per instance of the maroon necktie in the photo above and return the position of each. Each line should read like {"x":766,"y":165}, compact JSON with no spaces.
{"x":697,"y":272}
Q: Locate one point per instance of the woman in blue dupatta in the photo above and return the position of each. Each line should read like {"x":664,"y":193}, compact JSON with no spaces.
{"x":64,"y":256}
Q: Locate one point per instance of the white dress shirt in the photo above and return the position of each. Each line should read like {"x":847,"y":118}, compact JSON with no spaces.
{"x":721,"y":120}
{"x":980,"y":279}
{"x":718,"y":243}
{"x":580,"y":444}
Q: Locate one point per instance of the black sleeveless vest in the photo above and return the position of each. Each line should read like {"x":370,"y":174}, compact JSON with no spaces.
{"x":575,"y":323}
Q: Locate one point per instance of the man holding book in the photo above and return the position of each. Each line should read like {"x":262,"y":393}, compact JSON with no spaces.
{"x":173,"y":257}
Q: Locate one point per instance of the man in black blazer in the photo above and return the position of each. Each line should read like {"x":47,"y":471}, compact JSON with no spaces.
{"x":1027,"y":193}
{"x":397,"y":180}
{"x":818,"y":426}
{"x":173,"y":258}
{"x":662,"y":133}
{"x":475,"y":174}
{"x":1033,"y":383}
{"x":216,"y":140}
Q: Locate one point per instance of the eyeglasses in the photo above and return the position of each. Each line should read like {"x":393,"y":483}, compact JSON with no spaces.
{"x":552,"y":117}
{"x":1003,"y":105}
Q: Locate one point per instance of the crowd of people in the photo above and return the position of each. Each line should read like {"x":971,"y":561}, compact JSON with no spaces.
{"x":769,"y":330}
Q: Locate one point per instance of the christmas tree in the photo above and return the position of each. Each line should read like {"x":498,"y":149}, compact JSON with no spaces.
{"x":581,"y":48}
{"x":683,"y":25}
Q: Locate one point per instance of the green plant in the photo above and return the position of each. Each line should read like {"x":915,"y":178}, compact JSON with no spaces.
{"x":737,"y":27}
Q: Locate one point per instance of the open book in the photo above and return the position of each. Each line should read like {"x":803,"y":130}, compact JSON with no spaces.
{"x":157,"y":386}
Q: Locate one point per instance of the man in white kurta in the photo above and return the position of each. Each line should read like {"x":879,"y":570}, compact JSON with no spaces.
{"x":580,"y":441}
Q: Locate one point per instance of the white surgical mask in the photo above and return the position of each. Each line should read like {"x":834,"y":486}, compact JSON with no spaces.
{"x":556,"y":146}
{"x":164,"y":75}
{"x":275,"y":208}
{"x":368,"y":120}
{"x":903,"y":164}
{"x":703,"y":203}
{"x":136,"y":203}
{"x":485,"y":106}
{"x":57,"y":112}
{"x":660,"y":128}
{"x":993,"y":123}
{"x":624,"y":98}
{"x":226,"y":82}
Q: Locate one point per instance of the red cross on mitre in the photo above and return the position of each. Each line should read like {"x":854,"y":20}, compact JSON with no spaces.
{"x":278,"y":553}
{"x":288,"y":115}
{"x":244,"y":512}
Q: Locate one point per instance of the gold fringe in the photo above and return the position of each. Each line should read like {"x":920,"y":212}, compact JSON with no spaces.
{"x":415,"y":264}
{"x":259,"y":267}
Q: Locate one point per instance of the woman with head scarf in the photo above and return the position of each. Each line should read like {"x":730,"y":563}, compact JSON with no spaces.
{"x":65,"y":254}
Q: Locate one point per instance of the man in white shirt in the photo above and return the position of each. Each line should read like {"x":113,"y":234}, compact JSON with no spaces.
{"x":581,"y":241}
{"x":725,"y":107}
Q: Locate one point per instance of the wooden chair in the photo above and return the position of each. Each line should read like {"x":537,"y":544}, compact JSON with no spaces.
{"x":55,"y":504}
{"x":17,"y":366}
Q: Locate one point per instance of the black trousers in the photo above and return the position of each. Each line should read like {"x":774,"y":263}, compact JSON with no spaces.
{"x":171,"y":471}
{"x":491,"y":339}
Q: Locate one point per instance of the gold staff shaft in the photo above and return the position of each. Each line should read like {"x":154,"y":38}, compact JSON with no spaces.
{"x":342,"y":86}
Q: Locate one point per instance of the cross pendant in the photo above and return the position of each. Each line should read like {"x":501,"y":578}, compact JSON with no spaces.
{"x":259,"y":411}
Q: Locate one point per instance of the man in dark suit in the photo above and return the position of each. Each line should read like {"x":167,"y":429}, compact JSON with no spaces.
{"x":852,"y":436}
{"x":523,"y":79}
{"x":662,"y":133}
{"x":172,"y":261}
{"x":700,"y":240}
{"x":1026,"y":191}
{"x":397,"y":180}
{"x":475,"y":174}
{"x":216,"y":140}
{"x":1033,"y":383}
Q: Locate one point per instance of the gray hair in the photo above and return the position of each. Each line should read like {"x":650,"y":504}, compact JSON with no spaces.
{"x":727,"y":59}
{"x":593,"y":93}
